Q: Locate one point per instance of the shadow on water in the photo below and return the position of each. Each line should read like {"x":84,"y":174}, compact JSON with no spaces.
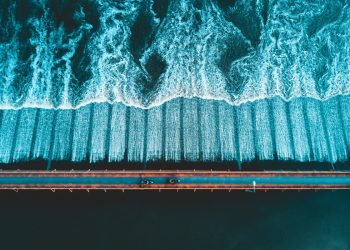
{"x":256,"y":165}
{"x":170,"y":220}
{"x":175,"y":220}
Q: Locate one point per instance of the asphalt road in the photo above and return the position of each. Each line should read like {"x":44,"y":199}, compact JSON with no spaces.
{"x":173,"y":180}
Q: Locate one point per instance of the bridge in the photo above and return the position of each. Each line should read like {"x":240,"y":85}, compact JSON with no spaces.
{"x":174,"y":180}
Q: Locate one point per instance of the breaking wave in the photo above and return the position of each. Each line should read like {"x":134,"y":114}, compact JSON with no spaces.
{"x":65,"y":54}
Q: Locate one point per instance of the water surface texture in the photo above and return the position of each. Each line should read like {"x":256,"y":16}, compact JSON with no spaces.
{"x":64,"y":53}
{"x":170,"y":220}
{"x":163,"y":80}
{"x":191,"y":130}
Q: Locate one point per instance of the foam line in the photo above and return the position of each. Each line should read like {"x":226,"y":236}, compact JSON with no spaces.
{"x":99,"y":132}
{"x":227,"y":131}
{"x":245,"y":132}
{"x":173,"y":128}
{"x":24,"y":136}
{"x":334,"y":128}
{"x":118,"y":132}
{"x":43,"y":134}
{"x":61,"y":141}
{"x":154,"y":134}
{"x":190,"y":129}
{"x":136,"y":135}
{"x":263,"y":138}
{"x":317,"y":131}
{"x":80,"y":134}
{"x":7,"y":134}
{"x":283,"y":138}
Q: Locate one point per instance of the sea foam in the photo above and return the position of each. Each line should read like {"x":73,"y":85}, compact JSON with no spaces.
{"x":67,"y":54}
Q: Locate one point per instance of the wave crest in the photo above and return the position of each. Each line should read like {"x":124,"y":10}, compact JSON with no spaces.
{"x":66,"y":54}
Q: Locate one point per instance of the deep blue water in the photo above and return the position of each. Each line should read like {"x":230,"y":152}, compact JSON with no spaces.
{"x":170,"y":220}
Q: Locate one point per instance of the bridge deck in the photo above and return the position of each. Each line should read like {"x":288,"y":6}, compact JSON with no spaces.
{"x":135,"y":180}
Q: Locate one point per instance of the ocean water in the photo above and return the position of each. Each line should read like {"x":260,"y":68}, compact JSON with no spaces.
{"x":225,"y":81}
{"x":167,"y":80}
{"x":145,"y":52}
{"x":169,"y":220}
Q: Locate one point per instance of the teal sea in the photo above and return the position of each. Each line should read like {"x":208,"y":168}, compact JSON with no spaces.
{"x":149,"y":82}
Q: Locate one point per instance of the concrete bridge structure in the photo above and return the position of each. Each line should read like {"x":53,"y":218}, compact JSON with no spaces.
{"x":174,"y":180}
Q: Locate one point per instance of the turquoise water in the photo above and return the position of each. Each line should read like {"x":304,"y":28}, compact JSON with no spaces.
{"x":144,"y":53}
{"x":170,"y":80}
{"x":67,"y":54}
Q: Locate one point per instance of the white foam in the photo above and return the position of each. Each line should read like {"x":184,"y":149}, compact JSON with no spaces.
{"x":303,"y":51}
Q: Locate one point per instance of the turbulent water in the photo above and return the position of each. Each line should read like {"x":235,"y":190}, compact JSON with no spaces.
{"x":63,"y":53}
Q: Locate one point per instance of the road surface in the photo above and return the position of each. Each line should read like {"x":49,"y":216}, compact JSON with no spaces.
{"x":143,"y":180}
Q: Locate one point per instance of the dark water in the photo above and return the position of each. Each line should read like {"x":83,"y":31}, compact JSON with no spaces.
{"x":168,"y":220}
